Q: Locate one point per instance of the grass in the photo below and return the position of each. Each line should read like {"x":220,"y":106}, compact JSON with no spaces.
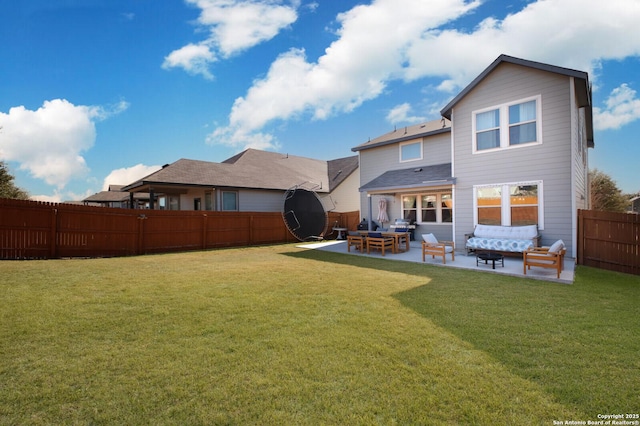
{"x":282,"y":335}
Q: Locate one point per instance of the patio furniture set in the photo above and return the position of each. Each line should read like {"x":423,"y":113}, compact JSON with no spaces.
{"x":382,"y":240}
{"x":489,"y":243}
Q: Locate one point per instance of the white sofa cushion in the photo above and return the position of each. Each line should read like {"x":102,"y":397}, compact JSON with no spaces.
{"x":526,"y":232}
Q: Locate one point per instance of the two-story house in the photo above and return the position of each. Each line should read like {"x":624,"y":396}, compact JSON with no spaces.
{"x":510,"y":149}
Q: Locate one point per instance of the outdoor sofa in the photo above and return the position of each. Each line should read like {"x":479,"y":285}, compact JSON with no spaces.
{"x":509,"y":239}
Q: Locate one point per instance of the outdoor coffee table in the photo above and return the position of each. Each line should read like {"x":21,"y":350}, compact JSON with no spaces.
{"x":490,"y":256}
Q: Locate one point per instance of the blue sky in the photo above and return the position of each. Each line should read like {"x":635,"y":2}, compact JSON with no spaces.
{"x":98,"y":92}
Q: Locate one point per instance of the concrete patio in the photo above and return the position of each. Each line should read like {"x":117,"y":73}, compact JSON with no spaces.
{"x":512,"y":265}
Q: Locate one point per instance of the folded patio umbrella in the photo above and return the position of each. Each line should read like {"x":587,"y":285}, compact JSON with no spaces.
{"x":382,"y":214}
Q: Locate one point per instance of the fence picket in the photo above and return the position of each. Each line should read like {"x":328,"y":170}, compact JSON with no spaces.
{"x":37,"y":230}
{"x":609,"y":240}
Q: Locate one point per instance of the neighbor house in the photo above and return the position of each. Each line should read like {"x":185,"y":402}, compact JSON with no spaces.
{"x":116,"y":197}
{"x":252,"y":180}
{"x":510,"y":149}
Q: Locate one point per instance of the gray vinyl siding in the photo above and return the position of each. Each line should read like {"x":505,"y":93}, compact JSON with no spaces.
{"x":375,"y":161}
{"x":260,"y":201}
{"x":549,"y":162}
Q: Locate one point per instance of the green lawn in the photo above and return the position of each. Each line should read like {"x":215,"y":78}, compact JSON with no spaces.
{"x":282,"y":335}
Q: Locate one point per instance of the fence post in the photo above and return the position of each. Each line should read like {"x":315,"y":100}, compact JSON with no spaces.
{"x":251,"y":229}
{"x":53,"y":234}
{"x":140,"y":245}
{"x":204,"y":231}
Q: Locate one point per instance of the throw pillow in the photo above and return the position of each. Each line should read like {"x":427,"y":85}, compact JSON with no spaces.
{"x":429,"y":238}
{"x":556,"y":247}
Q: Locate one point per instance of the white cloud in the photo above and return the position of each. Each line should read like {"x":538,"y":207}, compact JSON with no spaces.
{"x":127,"y":175}
{"x":193,"y":58}
{"x":49,"y":141}
{"x":391,"y":40}
{"x":355,"y":68}
{"x":233,"y":26}
{"x":621,"y":107}
{"x":400,"y":114}
{"x":551,"y":31}
{"x":61,"y":196}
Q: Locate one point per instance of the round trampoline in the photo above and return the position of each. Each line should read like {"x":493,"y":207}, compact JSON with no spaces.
{"x":304,"y":214}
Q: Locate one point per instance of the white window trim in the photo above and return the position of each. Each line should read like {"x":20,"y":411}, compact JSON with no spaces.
{"x":506,"y":204}
{"x":410,"y":143}
{"x":504,"y":125}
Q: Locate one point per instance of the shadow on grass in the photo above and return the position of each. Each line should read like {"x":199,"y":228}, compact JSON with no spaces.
{"x":577,"y":342}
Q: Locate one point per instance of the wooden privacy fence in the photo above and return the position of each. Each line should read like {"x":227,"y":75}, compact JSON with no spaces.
{"x":36,"y":230}
{"x":609,"y":241}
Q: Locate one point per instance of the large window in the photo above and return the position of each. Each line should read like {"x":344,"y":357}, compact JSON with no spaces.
{"x":507,"y":125}
{"x":511,"y":204}
{"x":410,"y":207}
{"x":208,"y":200}
{"x":229,"y":201}
{"x":410,"y":151}
{"x":432,"y":207}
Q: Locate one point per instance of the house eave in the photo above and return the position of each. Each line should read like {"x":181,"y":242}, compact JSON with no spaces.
{"x":407,"y":188}
{"x":401,"y":139}
{"x":581,"y":77}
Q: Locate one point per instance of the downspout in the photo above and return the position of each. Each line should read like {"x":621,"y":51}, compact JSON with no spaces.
{"x":453,"y":187}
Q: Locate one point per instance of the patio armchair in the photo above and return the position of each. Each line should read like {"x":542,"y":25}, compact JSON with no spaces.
{"x":545,"y":257}
{"x":432,"y":247}
{"x":375,"y":240}
{"x":355,"y":239}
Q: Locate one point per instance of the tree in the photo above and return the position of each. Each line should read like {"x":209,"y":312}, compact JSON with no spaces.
{"x":7,"y":188}
{"x":605,"y":194}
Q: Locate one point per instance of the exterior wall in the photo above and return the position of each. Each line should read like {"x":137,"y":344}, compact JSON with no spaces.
{"x":260,"y":201}
{"x":549,"y":162}
{"x":248,"y":200}
{"x":580,"y":166}
{"x":344,"y":198}
{"x":376,"y":161}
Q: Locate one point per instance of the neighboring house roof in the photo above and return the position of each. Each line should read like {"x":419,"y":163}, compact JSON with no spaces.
{"x":113,"y":195}
{"x":583,"y":87}
{"x":340,"y":169}
{"x":408,"y":133}
{"x":252,"y":168}
{"x":415,"y":177}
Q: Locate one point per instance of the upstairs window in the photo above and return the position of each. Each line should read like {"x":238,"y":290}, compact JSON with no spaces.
{"x":522,"y":123}
{"x":410,"y":151}
{"x":507,"y":125}
{"x":488,"y":129}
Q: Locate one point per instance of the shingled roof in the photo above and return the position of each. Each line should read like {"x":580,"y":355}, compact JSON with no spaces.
{"x":407,"y":133}
{"x":414,"y":177}
{"x":252,"y":169}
